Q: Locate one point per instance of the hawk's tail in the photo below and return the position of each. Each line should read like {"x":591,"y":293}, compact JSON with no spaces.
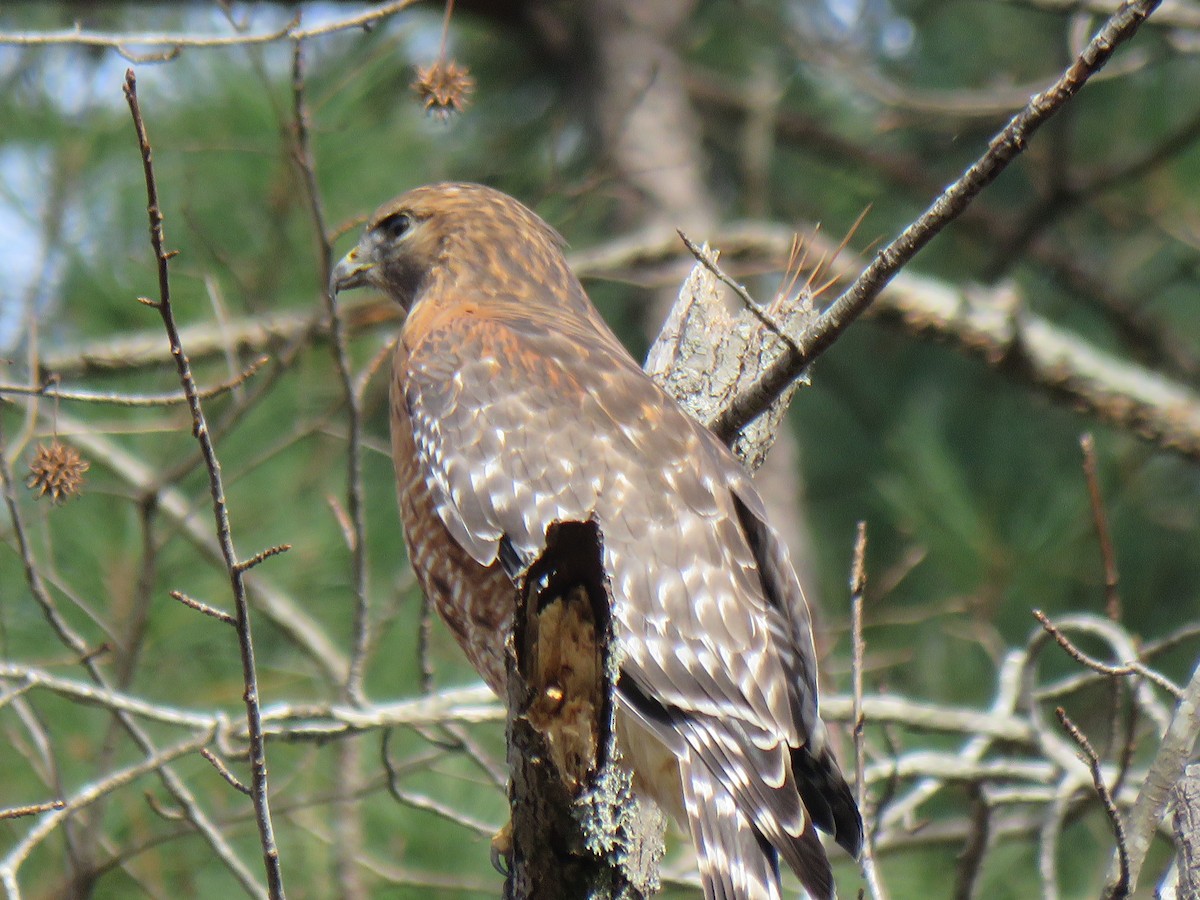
{"x":736,"y":861}
{"x":827,"y":797}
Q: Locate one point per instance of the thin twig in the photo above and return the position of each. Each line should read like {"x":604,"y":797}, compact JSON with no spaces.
{"x":219,"y":615}
{"x":1004,"y":148}
{"x":1049,"y":835}
{"x":84,"y":797}
{"x":33,"y":809}
{"x":425,"y":642}
{"x":970,"y":860}
{"x":174,"y":43}
{"x":258,"y":759}
{"x":174,"y":398}
{"x":223,"y":771}
{"x":858,"y":584}
{"x":1121,"y":888}
{"x":420,"y":801}
{"x":341,"y":358}
{"x":445,"y":29}
{"x":262,"y":555}
{"x":858,"y":580}
{"x":495,"y":769}
{"x":372,"y":368}
{"x":76,"y":643}
{"x":157,"y":807}
{"x":707,"y":258}
{"x":1112,"y":598}
{"x":1133,"y":667}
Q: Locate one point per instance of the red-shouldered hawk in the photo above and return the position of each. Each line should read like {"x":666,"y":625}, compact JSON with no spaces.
{"x":514,"y":407}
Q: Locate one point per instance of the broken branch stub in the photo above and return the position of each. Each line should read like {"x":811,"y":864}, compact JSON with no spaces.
{"x":577,"y":829}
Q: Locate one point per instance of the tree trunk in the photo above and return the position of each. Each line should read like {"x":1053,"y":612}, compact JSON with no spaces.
{"x":578,"y":831}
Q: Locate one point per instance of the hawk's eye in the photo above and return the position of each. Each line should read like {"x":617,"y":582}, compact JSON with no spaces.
{"x":395,"y":226}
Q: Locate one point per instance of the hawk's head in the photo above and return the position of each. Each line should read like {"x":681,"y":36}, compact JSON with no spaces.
{"x":457,"y":231}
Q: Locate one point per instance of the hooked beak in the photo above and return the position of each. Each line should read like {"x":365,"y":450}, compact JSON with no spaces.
{"x":350,"y":272}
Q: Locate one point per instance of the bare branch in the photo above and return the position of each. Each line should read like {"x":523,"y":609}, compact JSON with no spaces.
{"x":1174,"y":14}
{"x":341,"y":358}
{"x":970,"y":860}
{"x":284,"y":613}
{"x":1120,"y":888}
{"x":858,"y":584}
{"x":134,"y":400}
{"x":262,"y":555}
{"x":87,"y":795}
{"x":168,"y":46}
{"x":1112,"y":598}
{"x":258,"y":760}
{"x":1003,"y":149}
{"x":1133,"y":667}
{"x":1174,"y":753}
{"x":33,"y":809}
{"x":87,"y":658}
{"x":212,"y":611}
{"x":223,"y":771}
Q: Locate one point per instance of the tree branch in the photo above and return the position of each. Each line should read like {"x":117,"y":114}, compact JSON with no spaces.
{"x":1005,"y":147}
{"x":258,"y":757}
{"x":167,"y":46}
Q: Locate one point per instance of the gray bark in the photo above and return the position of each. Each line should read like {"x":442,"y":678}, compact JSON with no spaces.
{"x":1186,"y":822}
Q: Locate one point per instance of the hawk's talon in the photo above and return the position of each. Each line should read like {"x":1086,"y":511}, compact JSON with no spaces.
{"x":502,"y":849}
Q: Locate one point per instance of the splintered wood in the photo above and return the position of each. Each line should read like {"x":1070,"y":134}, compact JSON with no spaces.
{"x":565,"y":670}
{"x":576,"y":830}
{"x":705,"y":354}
